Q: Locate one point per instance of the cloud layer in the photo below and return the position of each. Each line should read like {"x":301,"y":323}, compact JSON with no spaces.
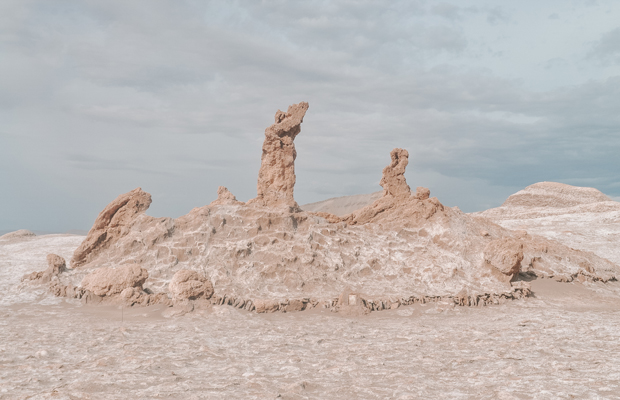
{"x":100,"y":97}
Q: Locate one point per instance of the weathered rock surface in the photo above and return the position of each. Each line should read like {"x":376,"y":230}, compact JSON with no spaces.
{"x":266,"y":305}
{"x":22,"y":233}
{"x":393,"y":180}
{"x":505,"y":256}
{"x":224,"y":197}
{"x":111,"y":224}
{"x":581,"y":218}
{"x":268,"y":255}
{"x":554,"y":195}
{"x":190,"y":285}
{"x":55,"y":266}
{"x":276,"y":177}
{"x":397,"y":202}
{"x":107,"y":281}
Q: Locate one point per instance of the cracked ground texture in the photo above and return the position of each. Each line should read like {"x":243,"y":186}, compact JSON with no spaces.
{"x":564,"y":342}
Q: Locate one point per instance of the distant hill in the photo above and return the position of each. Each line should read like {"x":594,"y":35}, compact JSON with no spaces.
{"x":343,"y":205}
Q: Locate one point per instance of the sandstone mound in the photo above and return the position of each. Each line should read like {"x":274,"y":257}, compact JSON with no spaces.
{"x":341,"y":206}
{"x":580,"y":217}
{"x":268,"y":255}
{"x":22,"y":233}
{"x":556,"y":195}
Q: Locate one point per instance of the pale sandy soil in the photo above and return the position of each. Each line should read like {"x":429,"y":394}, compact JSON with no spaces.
{"x":562,"y":343}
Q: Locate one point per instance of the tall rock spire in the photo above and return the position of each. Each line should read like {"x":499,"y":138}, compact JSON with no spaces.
{"x":276,"y":177}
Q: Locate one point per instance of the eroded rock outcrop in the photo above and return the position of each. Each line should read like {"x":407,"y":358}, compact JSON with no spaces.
{"x":190,"y":285}
{"x":554,"y":195}
{"x":393,"y":179}
{"x":22,"y":233}
{"x":55,"y":266}
{"x":224,"y":197}
{"x":580,"y":217}
{"x":267,"y":255}
{"x":276,"y":177}
{"x":504,"y":255}
{"x":397,"y":203}
{"x":111,"y":224}
{"x":106,"y":281}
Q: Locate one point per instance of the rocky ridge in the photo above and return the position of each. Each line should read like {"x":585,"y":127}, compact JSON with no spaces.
{"x":19,"y":234}
{"x":343,"y":205}
{"x":268,"y":254}
{"x":579,"y":217}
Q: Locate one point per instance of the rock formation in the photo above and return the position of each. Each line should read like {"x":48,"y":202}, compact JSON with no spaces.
{"x":268,"y":255}
{"x":190,"y":285}
{"x":111,"y":224}
{"x":276,"y":177}
{"x":111,"y":281}
{"x":393,"y":180}
{"x":579,"y":217}
{"x":397,"y":201}
{"x":17,"y":234}
{"x":55,"y":266}
{"x":554,"y":195}
{"x":224,"y":197}
{"x":504,"y":255}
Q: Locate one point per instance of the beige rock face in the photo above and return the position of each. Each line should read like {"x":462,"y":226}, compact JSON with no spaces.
{"x":268,"y":255}
{"x":579,"y":217}
{"x":393,"y":180}
{"x":224,"y":197}
{"x":554,"y":195}
{"x":504,"y":255}
{"x":266,"y":305}
{"x":111,"y":224}
{"x":276,"y":177}
{"x":422,"y":193}
{"x":110,"y":281}
{"x":190,"y":285}
{"x":55,"y":266}
{"x":397,"y":203}
{"x":22,"y":233}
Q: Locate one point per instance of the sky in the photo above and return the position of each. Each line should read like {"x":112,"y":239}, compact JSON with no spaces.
{"x":100,"y":97}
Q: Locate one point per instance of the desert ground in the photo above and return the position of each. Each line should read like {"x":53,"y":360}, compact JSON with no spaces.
{"x":561,"y":342}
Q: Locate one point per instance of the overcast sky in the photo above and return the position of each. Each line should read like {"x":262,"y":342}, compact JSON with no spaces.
{"x":100,"y":97}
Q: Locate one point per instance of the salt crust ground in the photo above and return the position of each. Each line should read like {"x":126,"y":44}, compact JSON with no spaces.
{"x":562,"y":343}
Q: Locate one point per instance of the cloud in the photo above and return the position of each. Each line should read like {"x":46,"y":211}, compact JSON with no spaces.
{"x":607,"y":48}
{"x":452,"y":12}
{"x":497,"y":14}
{"x":98,"y":98}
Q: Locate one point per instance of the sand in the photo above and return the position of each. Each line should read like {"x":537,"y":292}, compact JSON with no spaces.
{"x":564,"y":342}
